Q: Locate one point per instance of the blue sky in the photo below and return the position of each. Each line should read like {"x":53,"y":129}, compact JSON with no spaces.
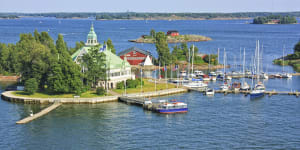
{"x":148,"y":5}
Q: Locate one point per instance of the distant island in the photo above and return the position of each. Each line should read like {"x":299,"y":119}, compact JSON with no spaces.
{"x":275,"y":19}
{"x":172,"y":37}
{"x":147,"y":16}
{"x":291,"y":59}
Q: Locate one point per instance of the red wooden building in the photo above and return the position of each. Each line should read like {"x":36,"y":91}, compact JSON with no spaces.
{"x":135,"y":56}
{"x":172,"y":33}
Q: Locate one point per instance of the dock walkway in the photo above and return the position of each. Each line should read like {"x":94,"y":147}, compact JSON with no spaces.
{"x":270,"y":93}
{"x":39,"y":114}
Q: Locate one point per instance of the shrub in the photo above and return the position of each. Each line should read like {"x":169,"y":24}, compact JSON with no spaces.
{"x":31,"y":86}
{"x":120,"y":85}
{"x":100,"y":91}
{"x":132,"y":83}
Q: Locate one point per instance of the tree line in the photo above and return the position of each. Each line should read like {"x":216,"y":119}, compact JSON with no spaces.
{"x":131,"y":15}
{"x":48,"y":66}
{"x":277,"y":18}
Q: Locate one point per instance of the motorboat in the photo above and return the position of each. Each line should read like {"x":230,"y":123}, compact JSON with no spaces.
{"x":236,"y":86}
{"x":183,"y":73}
{"x":196,"y":83}
{"x":245,"y":87}
{"x":264,"y":75}
{"x":172,"y":107}
{"x":258,"y":91}
{"x":209,"y":91}
{"x":198,"y":73}
{"x":219,"y":73}
{"x":286,"y":75}
{"x":206,"y":78}
{"x":227,"y":77}
{"x":224,"y":87}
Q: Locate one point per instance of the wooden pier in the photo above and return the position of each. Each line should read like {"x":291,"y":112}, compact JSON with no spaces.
{"x":39,"y":114}
{"x":270,"y":93}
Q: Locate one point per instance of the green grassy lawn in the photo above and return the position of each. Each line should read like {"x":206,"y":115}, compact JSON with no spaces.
{"x":88,"y":94}
{"x":147,"y":87}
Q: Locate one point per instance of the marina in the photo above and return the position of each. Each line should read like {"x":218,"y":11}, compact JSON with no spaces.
{"x":268,"y":122}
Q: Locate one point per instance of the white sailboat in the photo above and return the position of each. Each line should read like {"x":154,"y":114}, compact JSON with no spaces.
{"x":259,"y":88}
{"x":245,"y":86}
{"x":284,"y":74}
{"x":224,"y":85}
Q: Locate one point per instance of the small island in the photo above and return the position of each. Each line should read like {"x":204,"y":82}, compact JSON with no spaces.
{"x":172,"y":37}
{"x":291,"y":59}
{"x":275,"y":19}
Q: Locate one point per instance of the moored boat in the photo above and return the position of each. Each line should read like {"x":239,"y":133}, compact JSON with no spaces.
{"x":210,"y":91}
{"x":174,"y":107}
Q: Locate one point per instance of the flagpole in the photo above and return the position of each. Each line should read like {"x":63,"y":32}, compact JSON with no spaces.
{"x":166,"y":69}
{"x":141,"y":80}
{"x":155,"y":77}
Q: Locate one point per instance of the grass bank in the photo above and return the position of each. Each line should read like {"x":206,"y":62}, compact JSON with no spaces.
{"x":294,"y":63}
{"x":88,"y":94}
{"x":147,"y":87}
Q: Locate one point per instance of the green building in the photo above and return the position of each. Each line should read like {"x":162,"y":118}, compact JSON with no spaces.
{"x":118,"y":70}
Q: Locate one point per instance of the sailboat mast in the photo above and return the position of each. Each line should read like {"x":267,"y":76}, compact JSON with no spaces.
{"x":218,"y":55}
{"x":240,"y":58}
{"x":189,"y":63}
{"x":244,"y":65}
{"x":224,"y":63}
{"x":257,"y":74}
{"x":193,"y":59}
{"x":283,"y":58}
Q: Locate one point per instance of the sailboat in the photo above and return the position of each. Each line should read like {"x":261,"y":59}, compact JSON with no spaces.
{"x":212,"y":74}
{"x":245,"y":86}
{"x":284,"y":74}
{"x":224,"y":86}
{"x":259,"y":88}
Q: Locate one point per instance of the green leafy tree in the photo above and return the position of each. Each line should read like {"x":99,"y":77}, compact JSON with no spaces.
{"x":111,"y":46}
{"x":162,"y":48}
{"x":152,"y":33}
{"x":213,"y":59}
{"x":31,"y":86}
{"x":94,"y":64}
{"x":64,"y":75}
{"x":297,"y":48}
{"x":34,"y":59}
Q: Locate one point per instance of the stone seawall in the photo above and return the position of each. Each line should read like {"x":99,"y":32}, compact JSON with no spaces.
{"x":8,"y":96}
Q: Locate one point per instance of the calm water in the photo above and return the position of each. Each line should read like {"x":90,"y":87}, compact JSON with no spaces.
{"x":219,"y":122}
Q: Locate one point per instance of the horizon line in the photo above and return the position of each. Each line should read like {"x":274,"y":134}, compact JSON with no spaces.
{"x":151,"y":12}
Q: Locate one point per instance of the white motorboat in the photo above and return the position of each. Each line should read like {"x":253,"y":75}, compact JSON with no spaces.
{"x":227,"y":77}
{"x":183,"y":73}
{"x":219,"y":73}
{"x":224,"y":87}
{"x":286,"y":75}
{"x":209,"y":91}
{"x":264,"y":75}
{"x":212,"y":74}
{"x":198,"y":84}
{"x":198,"y":73}
{"x":245,"y":87}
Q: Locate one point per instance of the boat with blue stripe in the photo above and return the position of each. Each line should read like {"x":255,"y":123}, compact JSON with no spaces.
{"x":174,"y":107}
